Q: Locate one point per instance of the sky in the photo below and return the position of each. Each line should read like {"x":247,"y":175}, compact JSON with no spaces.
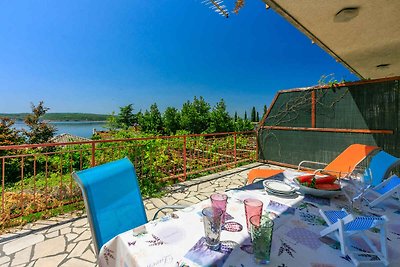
{"x":97,"y":56}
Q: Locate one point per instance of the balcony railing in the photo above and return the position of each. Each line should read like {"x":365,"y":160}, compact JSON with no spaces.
{"x":38,"y":177}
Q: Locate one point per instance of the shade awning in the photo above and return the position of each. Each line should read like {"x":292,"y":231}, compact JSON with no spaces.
{"x":363,"y":35}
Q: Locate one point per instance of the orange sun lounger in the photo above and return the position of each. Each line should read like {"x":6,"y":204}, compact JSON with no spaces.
{"x":261,"y":174}
{"x":341,"y":166}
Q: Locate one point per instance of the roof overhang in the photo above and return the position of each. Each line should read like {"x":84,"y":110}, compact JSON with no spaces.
{"x":363,"y":35}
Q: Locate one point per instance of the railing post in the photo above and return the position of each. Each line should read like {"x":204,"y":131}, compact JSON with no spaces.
{"x":93,"y":154}
{"x":313,"y":115}
{"x":2,"y":186}
{"x":184,"y":157}
{"x":257,"y":147}
{"x":234,"y":148}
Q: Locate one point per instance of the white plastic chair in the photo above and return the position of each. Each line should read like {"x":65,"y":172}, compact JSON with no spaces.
{"x":343,"y":225}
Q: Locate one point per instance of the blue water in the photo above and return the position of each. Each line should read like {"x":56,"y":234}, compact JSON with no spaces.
{"x":79,"y":128}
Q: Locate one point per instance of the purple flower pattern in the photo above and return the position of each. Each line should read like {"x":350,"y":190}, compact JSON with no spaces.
{"x":108,"y":254}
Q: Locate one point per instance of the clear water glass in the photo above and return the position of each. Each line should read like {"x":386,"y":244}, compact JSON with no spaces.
{"x":360,"y":184}
{"x":212,"y":219}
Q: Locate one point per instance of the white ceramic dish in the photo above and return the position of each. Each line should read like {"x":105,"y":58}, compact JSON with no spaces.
{"x":278,"y":187}
{"x":316,"y":192}
{"x":280,"y":194}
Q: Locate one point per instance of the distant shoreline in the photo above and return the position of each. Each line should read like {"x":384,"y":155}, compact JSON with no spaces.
{"x":61,"y":117}
{"x":78,"y":128}
{"x":50,"y":121}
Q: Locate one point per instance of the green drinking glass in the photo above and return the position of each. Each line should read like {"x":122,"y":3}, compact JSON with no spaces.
{"x":261,"y":228}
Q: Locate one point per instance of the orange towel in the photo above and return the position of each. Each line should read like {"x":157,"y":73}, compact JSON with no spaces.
{"x":261,"y":173}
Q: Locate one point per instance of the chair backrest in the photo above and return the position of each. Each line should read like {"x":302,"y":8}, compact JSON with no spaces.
{"x":393,"y":182}
{"x":346,"y":161}
{"x":380,"y":167}
{"x":112,"y":199}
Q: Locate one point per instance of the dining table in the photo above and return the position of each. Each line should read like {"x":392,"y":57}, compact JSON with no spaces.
{"x":177,"y":239}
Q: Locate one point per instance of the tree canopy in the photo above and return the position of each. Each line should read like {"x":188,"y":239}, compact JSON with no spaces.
{"x":194,"y":117}
{"x":172,"y":120}
{"x":220,"y":121}
{"x":8,"y":135}
{"x":39,"y":130}
{"x":126,"y":118}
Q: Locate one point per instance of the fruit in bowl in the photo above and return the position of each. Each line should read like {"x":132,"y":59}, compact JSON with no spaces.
{"x":325,"y":186}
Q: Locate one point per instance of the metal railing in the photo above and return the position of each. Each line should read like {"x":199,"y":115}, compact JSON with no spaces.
{"x":37,"y":177}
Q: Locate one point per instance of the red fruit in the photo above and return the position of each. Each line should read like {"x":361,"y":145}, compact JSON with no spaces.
{"x":330,"y":187}
{"x":305,"y":178}
{"x":325,"y":180}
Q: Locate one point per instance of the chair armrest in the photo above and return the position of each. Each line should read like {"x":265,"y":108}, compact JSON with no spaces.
{"x":173,"y":207}
{"x":313,"y":162}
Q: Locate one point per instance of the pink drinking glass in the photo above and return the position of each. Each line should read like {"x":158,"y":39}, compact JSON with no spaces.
{"x":252,"y":207}
{"x":219,"y":201}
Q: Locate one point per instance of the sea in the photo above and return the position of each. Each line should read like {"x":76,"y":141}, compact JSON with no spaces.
{"x":78,"y":128}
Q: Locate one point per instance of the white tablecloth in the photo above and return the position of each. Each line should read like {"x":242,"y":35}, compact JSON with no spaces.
{"x":177,"y":239}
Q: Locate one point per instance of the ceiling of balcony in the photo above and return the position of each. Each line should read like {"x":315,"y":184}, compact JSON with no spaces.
{"x":362,"y":34}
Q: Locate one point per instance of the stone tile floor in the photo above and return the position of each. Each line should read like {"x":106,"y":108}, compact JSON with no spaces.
{"x":66,"y":240}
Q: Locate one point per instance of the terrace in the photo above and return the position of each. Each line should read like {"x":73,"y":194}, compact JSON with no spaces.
{"x":314,"y":123}
{"x":177,"y":166}
{"x":65,"y":240}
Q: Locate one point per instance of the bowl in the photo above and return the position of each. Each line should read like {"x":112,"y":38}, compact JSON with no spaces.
{"x":317,"y":192}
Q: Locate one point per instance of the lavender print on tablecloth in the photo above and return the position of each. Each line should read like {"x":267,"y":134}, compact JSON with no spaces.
{"x":280,"y":208}
{"x":232,"y":227}
{"x":305,"y":237}
{"x":312,"y":219}
{"x":317,"y":200}
{"x":202,"y":255}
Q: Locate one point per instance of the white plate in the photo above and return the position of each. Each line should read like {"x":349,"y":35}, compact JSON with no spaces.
{"x":280,"y":194}
{"x":278,"y":186}
{"x":317,"y":192}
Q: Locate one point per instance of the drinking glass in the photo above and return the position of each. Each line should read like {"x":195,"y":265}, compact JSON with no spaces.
{"x":261,"y":228}
{"x":219,"y":201}
{"x":252,"y":207}
{"x":212,"y":227}
{"x":360,"y":183}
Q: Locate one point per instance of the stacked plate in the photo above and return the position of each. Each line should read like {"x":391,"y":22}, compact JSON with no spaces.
{"x":279,"y":188}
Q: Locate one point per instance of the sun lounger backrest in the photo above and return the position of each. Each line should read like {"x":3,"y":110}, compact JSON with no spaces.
{"x":346,"y":161}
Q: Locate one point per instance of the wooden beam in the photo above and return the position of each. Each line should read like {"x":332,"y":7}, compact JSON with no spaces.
{"x":332,"y":130}
{"x":338,"y":85}
{"x":313,"y":103}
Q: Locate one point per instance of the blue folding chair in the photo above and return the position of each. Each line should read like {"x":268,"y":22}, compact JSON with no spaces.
{"x":380,"y":168}
{"x":388,"y":188}
{"x":112,"y":199}
{"x":377,"y":174}
{"x":343,"y":225}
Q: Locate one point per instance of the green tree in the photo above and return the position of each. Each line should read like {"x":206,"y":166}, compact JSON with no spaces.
{"x":236,"y":117}
{"x":151,"y":121}
{"x":171,"y":120}
{"x":125,"y":117}
{"x":245,"y":115}
{"x":253,"y":114}
{"x":112,"y":123}
{"x":258,"y":117}
{"x":220,"y":121}
{"x":8,"y":134}
{"x":265,"y":110}
{"x":195,"y":116}
{"x":243,"y":125}
{"x":39,"y":131}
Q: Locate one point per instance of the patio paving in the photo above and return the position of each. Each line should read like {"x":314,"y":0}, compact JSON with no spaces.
{"x":66,"y":240}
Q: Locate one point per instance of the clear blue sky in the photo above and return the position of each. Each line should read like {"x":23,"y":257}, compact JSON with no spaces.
{"x":95,"y":56}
